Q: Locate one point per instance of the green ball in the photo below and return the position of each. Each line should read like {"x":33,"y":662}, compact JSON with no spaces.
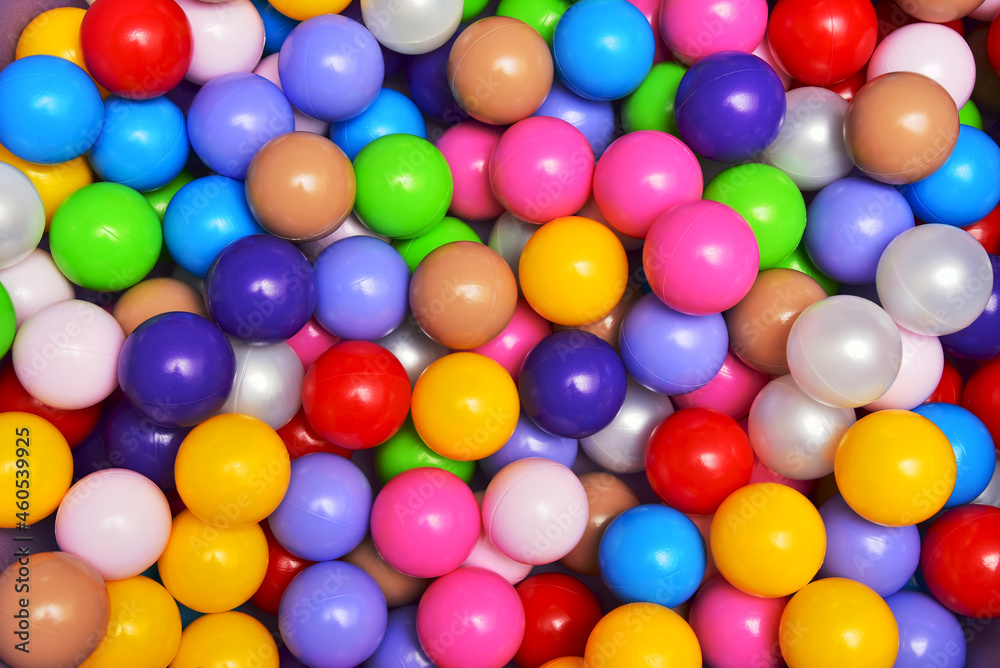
{"x":542,"y":15}
{"x":473,"y":8}
{"x":799,"y":260}
{"x":770,"y":202}
{"x":406,"y":450}
{"x":450,"y":229}
{"x":106,"y":237}
{"x":160,"y":198}
{"x":969,"y":115}
{"x":404,"y":186}
{"x":651,"y":106}
{"x":8,"y":321}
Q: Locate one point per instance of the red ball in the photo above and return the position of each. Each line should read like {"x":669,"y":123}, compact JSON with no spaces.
{"x":987,"y":231}
{"x":137,"y":49}
{"x":75,"y":425}
{"x":282,"y":566}
{"x":993,"y":45}
{"x":559,"y":614}
{"x":982,"y":396}
{"x":820,"y":42}
{"x":301,"y":439}
{"x":697,"y":457}
{"x":356,"y":395}
{"x":949,"y":390}
{"x":960,"y":560}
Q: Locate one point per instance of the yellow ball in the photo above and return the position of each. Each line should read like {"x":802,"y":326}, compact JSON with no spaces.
{"x":226,"y":640}
{"x":565,"y":662}
{"x":768,"y":540}
{"x":54,"y":182}
{"x":895,"y":468}
{"x":232,"y":470}
{"x":210,"y":569}
{"x":642,"y":634}
{"x":55,"y":33}
{"x":573,"y":271}
{"x":36,"y":469}
{"x":465,"y":406}
{"x":837,"y":622}
{"x":306,"y":9}
{"x":144,"y":630}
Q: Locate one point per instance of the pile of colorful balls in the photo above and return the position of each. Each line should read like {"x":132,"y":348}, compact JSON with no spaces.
{"x":531,"y":333}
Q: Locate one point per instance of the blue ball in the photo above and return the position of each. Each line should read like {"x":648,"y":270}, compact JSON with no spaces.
{"x":603,"y":49}
{"x":965,"y":188}
{"x":929,"y":634}
{"x":143,"y":143}
{"x":363,"y":288}
{"x":572,"y":383}
{"x":204,"y":217}
{"x":973,"y":445}
{"x":51,"y":109}
{"x":654,"y":554}
{"x":133,"y":441}
{"x":332,"y":614}
{"x":594,"y":118}
{"x":276,"y":26}
{"x":390,"y":113}
{"x":400,"y":648}
{"x":529,"y":440}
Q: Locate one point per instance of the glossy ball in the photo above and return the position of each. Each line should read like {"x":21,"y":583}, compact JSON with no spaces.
{"x":731,"y":392}
{"x":559,"y":614}
{"x":958,"y":560}
{"x":468,"y":146}
{"x":607,"y":498}
{"x":971,"y":442}
{"x":414,"y":349}
{"x":54,"y":183}
{"x":400,"y":647}
{"x":35,"y":441}
{"x":154,"y":296}
{"x":74,"y":425}
{"x":979,"y":341}
{"x":22,"y":216}
{"x":390,"y":113}
{"x":224,"y":638}
{"x":651,"y":631}
{"x":412,"y":28}
{"x":736,"y":629}
{"x":267,"y":385}
{"x":509,"y":348}
{"x":399,"y":589}
{"x":54,"y":32}
{"x":926,"y":629}
{"x":735,"y":26}
{"x":594,"y":118}
{"x":406,"y":450}
{"x":133,"y":441}
{"x":530,"y":440}
{"x":223,"y":43}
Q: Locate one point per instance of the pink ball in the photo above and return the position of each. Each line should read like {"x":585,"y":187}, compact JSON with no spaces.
{"x":116,"y":520}
{"x":351,"y":227}
{"x":640,"y":176}
{"x":268,"y":68}
{"x":693,"y":29}
{"x":542,"y":169}
{"x":34,"y":283}
{"x":919,"y":373}
{"x":470,"y":618}
{"x":468,"y":147}
{"x":736,"y":630}
{"x":764,"y":473}
{"x":425,"y":522}
{"x":651,"y":10}
{"x":523,"y":331}
{"x":311,"y":341}
{"x":486,"y":555}
{"x":732,"y":391}
{"x":763,"y":51}
{"x":701,"y":257}
{"x":226,"y":37}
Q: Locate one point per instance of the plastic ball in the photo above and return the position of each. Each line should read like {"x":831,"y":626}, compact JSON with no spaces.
{"x":927,"y":632}
{"x":412,"y":27}
{"x":22,"y":216}
{"x":277,"y":25}
{"x":160,"y":198}
{"x":971,"y":442}
{"x":486,"y":555}
{"x":53,"y":182}
{"x":901,"y":127}
{"x":573,"y":271}
{"x":844,"y":351}
{"x":649,"y":631}
{"x":429,"y":86}
{"x":933,"y":50}
{"x":232,"y":117}
{"x":767,"y":540}
{"x":8,"y":321}
{"x":224,"y":638}
{"x":730,"y":106}
{"x":268,"y":68}
{"x":949,"y":389}
{"x":177,"y":369}
{"x":55,"y":32}
{"x":133,"y":441}
{"x":305,"y":9}
{"x":508,"y":237}
{"x":509,"y":348}
{"x":895,"y":468}
{"x":607,"y":498}
{"x":310,"y":169}
{"x":594,"y":118}
{"x":515,"y":61}
{"x":400,"y":647}
{"x":820,"y":624}
{"x":204,"y":217}
{"x":670,"y":352}
{"x":154,"y":296}
{"x":226,"y":37}
{"x":311,"y":341}
{"x":301,"y":439}
{"x":468,"y":146}
{"x":934,"y":279}
{"x":137,"y":51}
{"x":799,"y":260}
{"x":530,"y":440}
{"x":959,"y":560}
{"x":65,"y":354}
{"x":542,"y":16}
{"x":651,"y":105}
{"x":609,"y":327}
{"x":535,"y":511}
{"x":390,"y":113}
{"x":69,"y":610}
{"x":323,"y":81}
{"x":736,"y":629}
{"x":603,"y":49}
{"x":732,"y":391}
{"x":693,"y":31}
{"x":406,"y":450}
{"x":980,"y":340}
{"x":74,"y":425}
{"x":919,"y":373}
{"x":45,"y":453}
{"x":940,"y":11}
{"x":399,"y":589}
{"x":982,"y":396}
{"x":431,"y":508}
{"x":448,"y":230}
{"x":356,"y":395}
{"x":414,"y":349}
{"x":559,"y":614}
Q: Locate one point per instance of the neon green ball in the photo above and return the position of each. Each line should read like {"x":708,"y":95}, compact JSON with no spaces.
{"x":799,"y":260}
{"x":160,"y":198}
{"x":542,"y":15}
{"x":769,"y":201}
{"x":651,"y":106}
{"x":106,"y":237}
{"x":8,"y":321}
{"x":450,"y":229}
{"x":969,"y":115}
{"x":473,"y":8}
{"x":406,"y":450}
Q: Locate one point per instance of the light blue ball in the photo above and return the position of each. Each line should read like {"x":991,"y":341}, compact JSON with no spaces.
{"x":276,"y":26}
{"x":973,"y":445}
{"x":390,"y":113}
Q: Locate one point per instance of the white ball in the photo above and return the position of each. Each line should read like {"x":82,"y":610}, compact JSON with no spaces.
{"x":22,"y":215}
{"x":268,"y":383}
{"x":412,"y":26}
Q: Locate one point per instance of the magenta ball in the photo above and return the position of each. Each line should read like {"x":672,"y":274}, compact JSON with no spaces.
{"x":542,"y":169}
{"x":693,"y":30}
{"x":732,"y":391}
{"x":736,"y":630}
{"x":701,"y":257}
{"x":525,"y":329}
{"x":640,"y":176}
{"x":470,"y":618}
{"x":425,"y":522}
{"x":468,"y":147}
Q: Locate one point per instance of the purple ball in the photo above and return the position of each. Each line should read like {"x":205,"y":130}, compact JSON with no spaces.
{"x":133,"y":441}
{"x":730,"y":106}
{"x":232,"y":116}
{"x":177,"y":369}
{"x":394,"y":60}
{"x":572,"y":383}
{"x":671,"y":352}
{"x":528,"y":440}
{"x":332,"y":614}
{"x":331,"y":67}
{"x":326,"y":509}
{"x":929,"y":635}
{"x":363,"y":287}
{"x":883,"y":558}
{"x":851,"y":221}
{"x":400,"y":647}
{"x":261,"y":289}
{"x":980,"y":341}
{"x":427,"y":78}
{"x":594,"y":118}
